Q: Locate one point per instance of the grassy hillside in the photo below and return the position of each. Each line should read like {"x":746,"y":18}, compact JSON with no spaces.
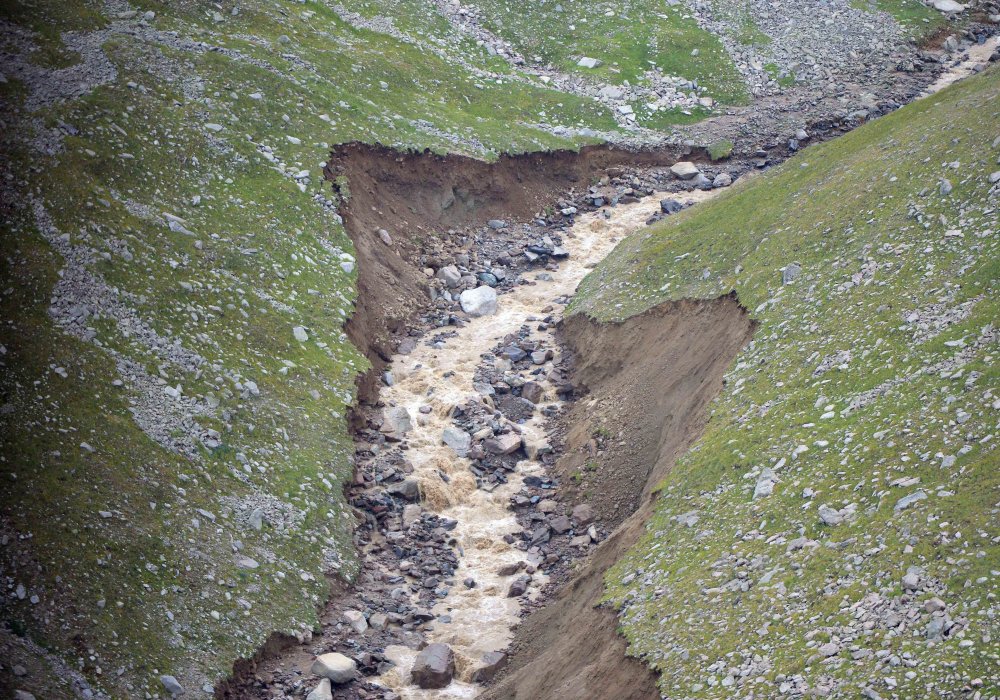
{"x":855,"y":440}
{"x":172,"y":452}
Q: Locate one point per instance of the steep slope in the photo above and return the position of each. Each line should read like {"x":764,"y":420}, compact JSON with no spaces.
{"x":834,"y":530}
{"x":175,"y":375}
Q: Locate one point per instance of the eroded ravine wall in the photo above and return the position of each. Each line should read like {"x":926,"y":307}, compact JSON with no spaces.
{"x":648,"y":382}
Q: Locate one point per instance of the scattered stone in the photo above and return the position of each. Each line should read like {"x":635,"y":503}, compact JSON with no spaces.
{"x":532,"y":391}
{"x":457,"y":439}
{"x":503,"y":444}
{"x":948,"y":6}
{"x":450,"y":275}
{"x":790,"y":273}
{"x":765,"y":484}
{"x":171,"y":685}
{"x":685,"y":170}
{"x":396,"y":421}
{"x":670,"y":206}
{"x":335,"y":666}
{"x":492,"y":662}
{"x":560,"y":524}
{"x":408,"y":489}
{"x":587,"y":62}
{"x":518,"y":586}
{"x":356,"y":620}
{"x":907,"y":501}
{"x":481,"y":301}
{"x":583,"y":514}
{"x":323,"y":691}
{"x":434,"y":666}
{"x":829,"y":649}
{"x":722,"y":180}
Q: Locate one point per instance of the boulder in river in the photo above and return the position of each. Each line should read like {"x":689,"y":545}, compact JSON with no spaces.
{"x":457,"y":439}
{"x":434,"y":666}
{"x":396,"y":422}
{"x":481,"y":301}
{"x":408,"y":489}
{"x":492,"y":662}
{"x":503,"y":444}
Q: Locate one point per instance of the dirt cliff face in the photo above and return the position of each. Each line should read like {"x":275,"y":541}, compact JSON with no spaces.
{"x":649,"y":381}
{"x":414,"y":195}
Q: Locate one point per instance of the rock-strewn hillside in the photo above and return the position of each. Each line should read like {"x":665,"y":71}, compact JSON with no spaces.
{"x":834,"y":532}
{"x":175,"y":376}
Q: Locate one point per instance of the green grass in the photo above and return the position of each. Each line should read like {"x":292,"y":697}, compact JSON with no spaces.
{"x":265,"y":256}
{"x":638,"y":36}
{"x":864,"y":218}
{"x":915,"y":17}
{"x":718,"y":150}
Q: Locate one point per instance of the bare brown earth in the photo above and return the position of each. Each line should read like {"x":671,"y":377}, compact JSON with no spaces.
{"x":649,"y":381}
{"x":415,"y":195}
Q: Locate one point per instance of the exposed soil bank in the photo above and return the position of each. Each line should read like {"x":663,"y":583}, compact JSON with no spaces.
{"x":414,"y":195}
{"x":649,"y":382}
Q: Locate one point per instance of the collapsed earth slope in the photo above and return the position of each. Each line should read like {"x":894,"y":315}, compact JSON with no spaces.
{"x":834,"y":530}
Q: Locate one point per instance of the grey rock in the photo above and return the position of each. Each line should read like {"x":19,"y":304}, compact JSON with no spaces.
{"x":560,"y":524}
{"x":171,"y":685}
{"x":407,"y":489}
{"x":829,"y":516}
{"x":450,"y":275}
{"x":518,"y":586}
{"x":335,"y":666}
{"x":532,"y":391}
{"x":492,"y":662}
{"x":434,"y":666}
{"x":513,"y":353}
{"x":722,"y":180}
{"x":396,"y":421}
{"x":457,"y":439}
{"x":322,"y":691}
{"x":933,"y":605}
{"x":790,"y":273}
{"x":670,"y":206}
{"x":503,"y":444}
{"x":583,"y":514}
{"x":765,"y":483}
{"x":587,"y":62}
{"x":481,"y":301}
{"x":829,"y":649}
{"x":685,"y":170}
{"x":357,"y":621}
{"x":907,"y":501}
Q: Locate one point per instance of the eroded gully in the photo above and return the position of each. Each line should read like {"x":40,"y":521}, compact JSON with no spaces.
{"x":482,"y":617}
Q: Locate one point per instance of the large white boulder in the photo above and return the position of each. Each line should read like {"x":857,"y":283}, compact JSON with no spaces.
{"x":685,"y":170}
{"x":337,"y":667}
{"x":481,"y":301}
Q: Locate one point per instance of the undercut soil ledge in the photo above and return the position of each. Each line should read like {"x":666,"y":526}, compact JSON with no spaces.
{"x":648,"y":382}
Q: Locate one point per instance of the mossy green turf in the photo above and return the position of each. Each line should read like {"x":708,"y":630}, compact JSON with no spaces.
{"x":917,"y":18}
{"x":632,"y":39}
{"x":876,"y":240}
{"x":146,"y":591}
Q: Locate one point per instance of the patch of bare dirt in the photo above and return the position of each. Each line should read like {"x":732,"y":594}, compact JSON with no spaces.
{"x":416,"y":196}
{"x":648,"y":383}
